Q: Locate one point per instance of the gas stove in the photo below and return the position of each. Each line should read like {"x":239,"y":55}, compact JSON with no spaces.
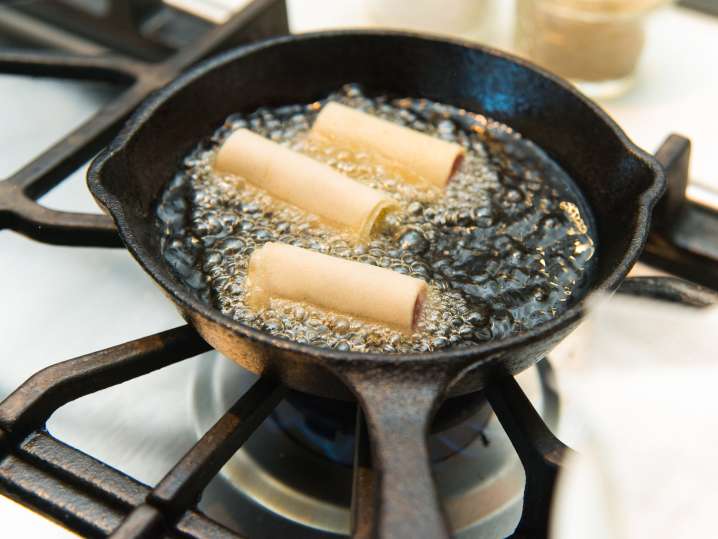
{"x":161,"y":436}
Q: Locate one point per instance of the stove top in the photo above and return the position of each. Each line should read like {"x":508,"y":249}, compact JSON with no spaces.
{"x":125,"y":441}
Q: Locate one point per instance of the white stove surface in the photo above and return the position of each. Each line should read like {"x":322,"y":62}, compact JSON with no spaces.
{"x":57,"y":303}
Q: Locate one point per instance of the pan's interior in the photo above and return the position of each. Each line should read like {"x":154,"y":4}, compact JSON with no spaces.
{"x":304,"y":69}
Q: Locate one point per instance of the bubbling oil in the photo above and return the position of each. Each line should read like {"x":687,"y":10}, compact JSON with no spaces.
{"x":505,"y":247}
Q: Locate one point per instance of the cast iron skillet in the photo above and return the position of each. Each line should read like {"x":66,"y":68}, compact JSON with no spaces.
{"x":398,"y":393}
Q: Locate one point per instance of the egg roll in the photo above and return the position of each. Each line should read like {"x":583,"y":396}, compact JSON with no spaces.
{"x":278,"y":270}
{"x":432,"y":159}
{"x":303,"y":182}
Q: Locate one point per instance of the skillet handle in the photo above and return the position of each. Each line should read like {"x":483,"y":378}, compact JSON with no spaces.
{"x":398,"y":403}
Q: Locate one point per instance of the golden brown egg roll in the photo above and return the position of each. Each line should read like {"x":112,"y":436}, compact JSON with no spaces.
{"x":433,"y":159}
{"x":278,"y":270}
{"x":303,"y":182}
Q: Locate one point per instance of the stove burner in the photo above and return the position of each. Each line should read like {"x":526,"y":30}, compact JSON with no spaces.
{"x":324,"y":426}
{"x":328,"y":426}
{"x":294,"y":475}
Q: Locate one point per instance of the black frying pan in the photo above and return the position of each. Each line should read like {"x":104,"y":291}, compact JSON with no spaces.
{"x":621,"y":184}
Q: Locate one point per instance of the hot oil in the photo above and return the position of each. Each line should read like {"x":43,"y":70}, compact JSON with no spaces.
{"x":507,"y":246}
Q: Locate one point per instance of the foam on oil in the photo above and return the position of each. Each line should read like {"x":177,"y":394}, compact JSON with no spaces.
{"x":505,"y":247}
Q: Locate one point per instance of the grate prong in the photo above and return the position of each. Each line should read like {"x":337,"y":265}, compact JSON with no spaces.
{"x":541,"y":453}
{"x":364,"y":482}
{"x":108,"y":67}
{"x":145,"y":522}
{"x":181,"y":488}
{"x":30,"y":405}
{"x":57,"y":227}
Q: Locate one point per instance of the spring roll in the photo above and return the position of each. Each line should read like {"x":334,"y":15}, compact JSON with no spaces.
{"x":432,"y":159}
{"x":303,"y":182}
{"x":277,"y":270}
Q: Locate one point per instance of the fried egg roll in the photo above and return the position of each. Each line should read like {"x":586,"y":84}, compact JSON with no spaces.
{"x":278,"y":270}
{"x":432,"y":159}
{"x":303,"y":182}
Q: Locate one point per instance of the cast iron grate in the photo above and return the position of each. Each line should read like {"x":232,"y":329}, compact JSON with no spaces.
{"x":96,"y":500}
{"x":19,"y":210}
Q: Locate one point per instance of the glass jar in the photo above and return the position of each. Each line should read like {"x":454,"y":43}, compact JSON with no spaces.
{"x":596,"y":44}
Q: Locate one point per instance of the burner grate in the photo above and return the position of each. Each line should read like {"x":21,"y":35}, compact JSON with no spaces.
{"x":96,"y":500}
{"x":79,"y":491}
{"x":19,"y":210}
{"x":684,"y":237}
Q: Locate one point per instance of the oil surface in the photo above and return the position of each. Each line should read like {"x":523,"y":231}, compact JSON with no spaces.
{"x":505,"y":247}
